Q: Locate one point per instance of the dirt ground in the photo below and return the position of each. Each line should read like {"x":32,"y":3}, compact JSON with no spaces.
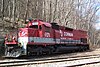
{"x":63,"y":64}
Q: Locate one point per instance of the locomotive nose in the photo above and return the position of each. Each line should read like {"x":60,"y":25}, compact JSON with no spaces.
{"x":23,"y":32}
{"x":23,"y":39}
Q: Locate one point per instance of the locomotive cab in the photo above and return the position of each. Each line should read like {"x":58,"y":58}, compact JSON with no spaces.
{"x":27,"y":35}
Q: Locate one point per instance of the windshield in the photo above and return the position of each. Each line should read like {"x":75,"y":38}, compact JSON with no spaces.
{"x":34,"y":26}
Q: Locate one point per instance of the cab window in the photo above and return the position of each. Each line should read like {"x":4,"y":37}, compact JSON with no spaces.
{"x":47,"y":29}
{"x":40,"y":27}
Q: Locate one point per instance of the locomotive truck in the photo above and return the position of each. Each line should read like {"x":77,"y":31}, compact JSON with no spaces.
{"x":39,"y":37}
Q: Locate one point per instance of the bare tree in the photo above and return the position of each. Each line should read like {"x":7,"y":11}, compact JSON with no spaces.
{"x":2,"y":9}
{"x":78,"y":14}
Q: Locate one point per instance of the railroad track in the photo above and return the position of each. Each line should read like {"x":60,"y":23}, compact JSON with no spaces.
{"x":52,"y":60}
{"x":83,"y":62}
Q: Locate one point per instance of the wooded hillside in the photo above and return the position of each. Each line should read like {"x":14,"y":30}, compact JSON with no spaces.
{"x":77,"y":14}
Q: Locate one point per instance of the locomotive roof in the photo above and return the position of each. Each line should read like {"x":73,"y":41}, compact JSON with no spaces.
{"x":53,"y":25}
{"x":38,"y":22}
{"x":46,"y":24}
{"x":41,"y":22}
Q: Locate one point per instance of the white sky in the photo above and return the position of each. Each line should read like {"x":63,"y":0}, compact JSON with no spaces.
{"x":97,"y":26}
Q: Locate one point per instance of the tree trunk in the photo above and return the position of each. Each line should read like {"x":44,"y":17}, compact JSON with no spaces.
{"x":2,"y":9}
{"x":26,"y":11}
{"x":13,"y":10}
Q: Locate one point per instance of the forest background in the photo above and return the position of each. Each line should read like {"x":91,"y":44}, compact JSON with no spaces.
{"x":77,"y":14}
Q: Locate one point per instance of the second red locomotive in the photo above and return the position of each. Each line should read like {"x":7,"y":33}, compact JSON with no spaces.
{"x":40,"y":37}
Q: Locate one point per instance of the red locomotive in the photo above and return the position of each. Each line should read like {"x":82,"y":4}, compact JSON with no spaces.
{"x":40,"y":37}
